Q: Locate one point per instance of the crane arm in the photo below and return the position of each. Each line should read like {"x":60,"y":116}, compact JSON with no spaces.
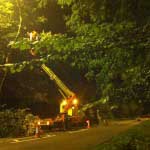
{"x":59,"y":83}
{"x":63,"y":89}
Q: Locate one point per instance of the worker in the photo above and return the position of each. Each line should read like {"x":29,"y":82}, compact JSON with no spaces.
{"x":99,"y":119}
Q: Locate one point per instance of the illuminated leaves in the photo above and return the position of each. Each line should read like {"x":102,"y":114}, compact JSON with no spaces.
{"x":103,"y":40}
{"x":65,"y":2}
{"x":6,"y":14}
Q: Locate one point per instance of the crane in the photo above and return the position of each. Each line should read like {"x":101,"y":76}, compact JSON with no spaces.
{"x":70,"y":103}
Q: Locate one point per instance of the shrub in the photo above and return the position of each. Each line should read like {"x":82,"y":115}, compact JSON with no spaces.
{"x":13,"y":123}
{"x":136,"y":138}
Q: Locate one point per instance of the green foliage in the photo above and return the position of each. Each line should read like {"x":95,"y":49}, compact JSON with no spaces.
{"x":107,"y":51}
{"x":9,"y":122}
{"x":13,"y":122}
{"x":117,"y":62}
{"x":137,"y":138}
{"x":65,"y":2}
{"x":6,"y":14}
{"x":108,"y":41}
{"x":89,"y":11}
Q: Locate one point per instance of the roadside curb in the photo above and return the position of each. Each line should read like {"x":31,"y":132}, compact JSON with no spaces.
{"x":5,"y":140}
{"x":13,"y":140}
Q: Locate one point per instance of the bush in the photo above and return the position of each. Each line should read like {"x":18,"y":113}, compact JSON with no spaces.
{"x":13,"y":123}
{"x":136,"y":138}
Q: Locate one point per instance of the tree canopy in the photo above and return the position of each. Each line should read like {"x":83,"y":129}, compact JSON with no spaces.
{"x":107,"y":42}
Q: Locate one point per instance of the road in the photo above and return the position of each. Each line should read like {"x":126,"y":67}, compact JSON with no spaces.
{"x":84,"y":139}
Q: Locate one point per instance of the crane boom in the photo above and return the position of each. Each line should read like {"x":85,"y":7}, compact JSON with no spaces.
{"x":70,"y":102}
{"x":66,"y":106}
{"x":67,"y":93}
{"x":69,"y":97}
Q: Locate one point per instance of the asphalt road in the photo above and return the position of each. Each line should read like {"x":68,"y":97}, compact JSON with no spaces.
{"x":84,"y":139}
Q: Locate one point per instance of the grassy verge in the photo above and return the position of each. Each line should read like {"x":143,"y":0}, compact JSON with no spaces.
{"x":136,"y":138}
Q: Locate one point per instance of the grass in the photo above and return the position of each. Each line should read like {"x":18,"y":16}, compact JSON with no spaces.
{"x":136,"y":138}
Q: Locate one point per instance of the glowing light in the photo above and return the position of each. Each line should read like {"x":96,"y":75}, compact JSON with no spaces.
{"x":64,"y":102}
{"x":87,"y":121}
{"x":47,"y":123}
{"x":75,"y":101}
{"x":39,"y":122}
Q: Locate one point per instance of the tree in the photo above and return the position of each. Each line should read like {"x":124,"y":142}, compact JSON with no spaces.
{"x":107,"y":41}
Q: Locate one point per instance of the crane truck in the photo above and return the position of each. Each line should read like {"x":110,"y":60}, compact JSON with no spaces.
{"x":68,"y":115}
{"x":69,"y":104}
